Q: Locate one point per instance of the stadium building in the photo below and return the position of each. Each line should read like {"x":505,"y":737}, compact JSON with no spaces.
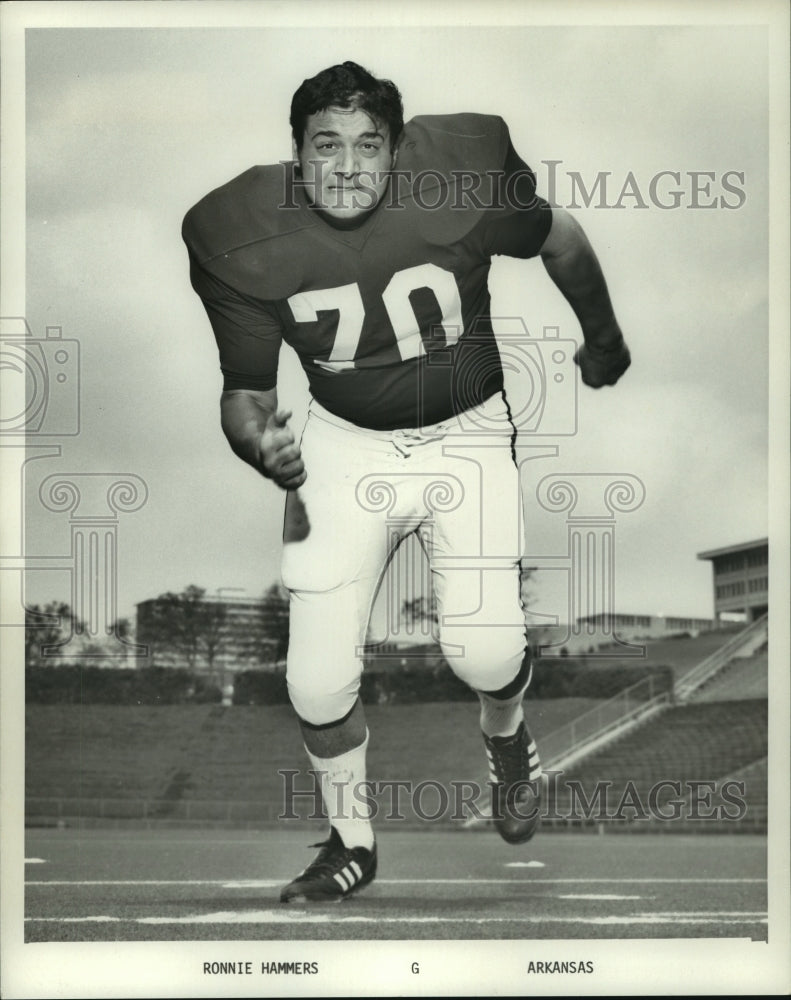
{"x":220,"y":637}
{"x":627,"y":626}
{"x":741,"y":580}
{"x":740,"y":594}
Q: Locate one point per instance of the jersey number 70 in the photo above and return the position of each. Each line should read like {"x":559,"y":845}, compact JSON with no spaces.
{"x":347,"y":301}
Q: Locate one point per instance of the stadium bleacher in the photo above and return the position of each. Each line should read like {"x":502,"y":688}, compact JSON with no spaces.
{"x":698,"y":742}
{"x":156,"y":761}
{"x":206,"y":762}
{"x":743,"y":677}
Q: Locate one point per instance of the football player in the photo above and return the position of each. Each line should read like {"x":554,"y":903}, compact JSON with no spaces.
{"x":369,"y":256}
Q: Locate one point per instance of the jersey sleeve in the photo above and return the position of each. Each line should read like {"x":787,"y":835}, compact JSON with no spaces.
{"x":522,"y":219}
{"x":248,"y":332}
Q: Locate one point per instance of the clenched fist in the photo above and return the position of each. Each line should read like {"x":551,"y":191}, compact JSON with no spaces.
{"x":602,"y":367}
{"x":281,"y":459}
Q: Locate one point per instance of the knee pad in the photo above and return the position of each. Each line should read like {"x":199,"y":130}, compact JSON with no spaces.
{"x":486,"y":659}
{"x":517,"y":686}
{"x":319,"y":708}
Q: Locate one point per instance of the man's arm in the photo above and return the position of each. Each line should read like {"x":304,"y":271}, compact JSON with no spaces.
{"x":259,"y":434}
{"x":571,"y":263}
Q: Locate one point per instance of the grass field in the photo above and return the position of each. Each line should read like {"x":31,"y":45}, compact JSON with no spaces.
{"x":206,"y":752}
{"x":156,"y":885}
{"x":139,"y":912}
{"x":197,"y":892}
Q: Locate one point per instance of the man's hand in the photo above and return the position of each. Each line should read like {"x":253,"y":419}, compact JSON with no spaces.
{"x":281,"y":459}
{"x":572,"y":265}
{"x":602,"y":367}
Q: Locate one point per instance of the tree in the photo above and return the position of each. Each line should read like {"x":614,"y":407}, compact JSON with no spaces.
{"x":266,"y":639}
{"x":275,"y":620}
{"x":51,"y":625}
{"x":209,"y":621}
{"x":526,"y":578}
{"x":105,"y":650}
{"x":423,"y":610}
{"x":122,"y":627}
{"x":187,"y":626}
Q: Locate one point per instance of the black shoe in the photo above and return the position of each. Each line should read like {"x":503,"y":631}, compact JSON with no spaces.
{"x":516,"y":788}
{"x":337,"y":872}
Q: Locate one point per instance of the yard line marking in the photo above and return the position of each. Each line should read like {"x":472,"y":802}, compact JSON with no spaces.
{"x":305,"y":917}
{"x":141,"y":881}
{"x":35,"y":861}
{"x":594,"y":895}
{"x":265,"y":883}
{"x":525,"y":864}
{"x":75,"y":920}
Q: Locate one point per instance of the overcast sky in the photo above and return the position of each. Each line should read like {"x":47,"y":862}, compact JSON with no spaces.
{"x":127,"y":128}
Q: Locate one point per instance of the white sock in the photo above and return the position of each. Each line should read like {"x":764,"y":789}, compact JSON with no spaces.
{"x":501,"y":717}
{"x":345,"y":796}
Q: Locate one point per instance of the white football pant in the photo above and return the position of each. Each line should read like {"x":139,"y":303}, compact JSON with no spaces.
{"x":456,"y":485}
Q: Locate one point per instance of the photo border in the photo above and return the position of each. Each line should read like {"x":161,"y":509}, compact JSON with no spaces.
{"x":645,"y":967}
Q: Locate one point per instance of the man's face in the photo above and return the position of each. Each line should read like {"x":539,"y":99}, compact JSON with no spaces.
{"x":345,"y":160}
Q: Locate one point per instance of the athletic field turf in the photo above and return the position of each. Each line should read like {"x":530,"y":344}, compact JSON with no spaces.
{"x":188,"y":885}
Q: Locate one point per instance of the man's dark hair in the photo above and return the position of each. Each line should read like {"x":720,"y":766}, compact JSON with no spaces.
{"x":348,"y":86}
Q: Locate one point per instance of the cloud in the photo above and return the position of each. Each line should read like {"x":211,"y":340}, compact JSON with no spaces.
{"x":127,"y":129}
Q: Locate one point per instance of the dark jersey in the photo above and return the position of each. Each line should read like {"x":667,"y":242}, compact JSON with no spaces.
{"x":391,"y":319}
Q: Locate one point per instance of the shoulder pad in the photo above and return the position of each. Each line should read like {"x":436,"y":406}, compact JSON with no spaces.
{"x":230,"y":231}
{"x":440,"y":157}
{"x":449,"y":143}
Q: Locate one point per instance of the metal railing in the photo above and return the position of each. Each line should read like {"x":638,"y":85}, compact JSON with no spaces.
{"x":627,"y":708}
{"x":55,"y":808}
{"x":636,"y":702}
{"x":755,"y":632}
{"x":68,"y":812}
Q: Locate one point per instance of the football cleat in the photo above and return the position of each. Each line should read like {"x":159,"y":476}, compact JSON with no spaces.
{"x":337,"y":872}
{"x":515,"y":779}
